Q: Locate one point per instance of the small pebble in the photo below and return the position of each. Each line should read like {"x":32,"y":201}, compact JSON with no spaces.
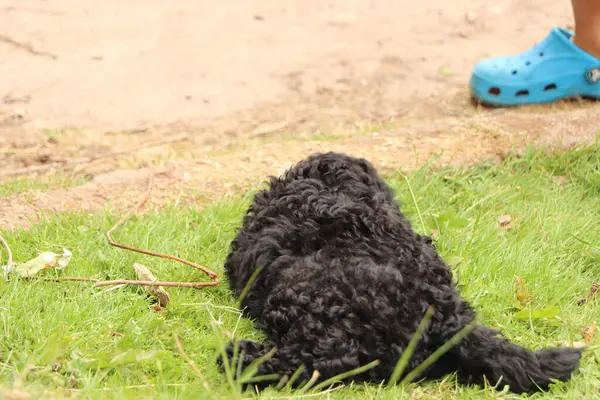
{"x":471,"y":17}
{"x":18,"y":114}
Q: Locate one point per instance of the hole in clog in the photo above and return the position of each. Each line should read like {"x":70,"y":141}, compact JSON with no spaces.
{"x":541,"y":54}
{"x":551,"y":86}
{"x":528,"y":63}
{"x":522,"y":93}
{"x":494,"y":91}
{"x":514,"y":71}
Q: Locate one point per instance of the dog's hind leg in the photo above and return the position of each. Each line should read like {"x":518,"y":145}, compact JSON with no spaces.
{"x":483,"y":354}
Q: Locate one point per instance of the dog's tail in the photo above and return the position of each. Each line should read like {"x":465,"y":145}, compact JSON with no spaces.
{"x":483,"y":354}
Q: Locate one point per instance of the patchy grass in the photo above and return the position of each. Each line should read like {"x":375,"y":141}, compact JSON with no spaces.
{"x":23,"y":185}
{"x":67,"y":339}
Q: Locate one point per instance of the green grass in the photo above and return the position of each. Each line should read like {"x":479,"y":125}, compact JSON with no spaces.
{"x":111,"y":343}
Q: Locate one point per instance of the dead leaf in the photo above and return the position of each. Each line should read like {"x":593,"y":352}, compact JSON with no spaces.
{"x":73,"y":379}
{"x":591,"y":294}
{"x":521,"y":290}
{"x":160,"y":293}
{"x":435,"y":234}
{"x":56,"y":366}
{"x":44,"y":261}
{"x":560,"y":180}
{"x":505,"y":222}
{"x":589,"y":333}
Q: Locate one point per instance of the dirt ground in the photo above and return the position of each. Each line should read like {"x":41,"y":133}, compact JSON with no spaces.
{"x":213,"y":95}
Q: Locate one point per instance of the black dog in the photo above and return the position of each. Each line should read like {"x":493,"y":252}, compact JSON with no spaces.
{"x":344,"y":280}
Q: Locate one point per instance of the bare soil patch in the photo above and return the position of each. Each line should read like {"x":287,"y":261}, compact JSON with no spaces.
{"x":253,"y":88}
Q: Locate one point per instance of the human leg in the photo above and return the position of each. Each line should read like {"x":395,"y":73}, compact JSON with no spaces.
{"x":586,"y":14}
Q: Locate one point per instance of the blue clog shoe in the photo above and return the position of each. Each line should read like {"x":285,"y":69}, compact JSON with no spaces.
{"x":552,"y":70}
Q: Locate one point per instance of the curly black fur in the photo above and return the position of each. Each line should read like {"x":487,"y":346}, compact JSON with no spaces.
{"x":345,"y":281}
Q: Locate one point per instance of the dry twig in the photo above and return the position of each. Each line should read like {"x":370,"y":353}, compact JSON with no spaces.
{"x":87,"y":160}
{"x":191,"y":363}
{"x":192,"y":285}
{"x":69,"y":278}
{"x":195,"y":285}
{"x":26,"y":46}
{"x":10,"y":260}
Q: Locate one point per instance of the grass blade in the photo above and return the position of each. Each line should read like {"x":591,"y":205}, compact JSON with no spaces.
{"x":249,"y":284}
{"x":345,"y":375}
{"x":414,"y":199}
{"x":294,"y":377}
{"x":412,"y":344}
{"x":251,"y":369}
{"x":438,"y":353}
